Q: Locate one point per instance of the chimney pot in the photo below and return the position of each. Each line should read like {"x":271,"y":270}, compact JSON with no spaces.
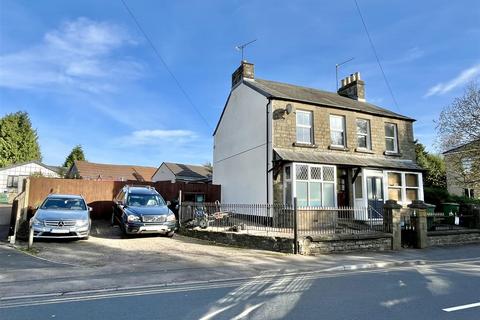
{"x":353,"y":87}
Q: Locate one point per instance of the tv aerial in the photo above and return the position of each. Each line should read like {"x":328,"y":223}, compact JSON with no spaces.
{"x":241,"y":47}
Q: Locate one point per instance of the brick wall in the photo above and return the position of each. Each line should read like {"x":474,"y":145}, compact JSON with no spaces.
{"x":284,"y":134}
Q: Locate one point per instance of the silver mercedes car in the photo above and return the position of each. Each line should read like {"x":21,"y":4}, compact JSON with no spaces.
{"x":62,"y":216}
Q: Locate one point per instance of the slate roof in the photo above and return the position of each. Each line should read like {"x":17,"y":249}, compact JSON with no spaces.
{"x":465,"y":147}
{"x":115,"y":172}
{"x":285,"y":91}
{"x":346,"y":160}
{"x":51,"y":168}
{"x":189,"y":171}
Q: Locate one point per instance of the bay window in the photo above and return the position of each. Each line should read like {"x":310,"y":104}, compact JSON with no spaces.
{"x":403,"y":187}
{"x":314,"y":185}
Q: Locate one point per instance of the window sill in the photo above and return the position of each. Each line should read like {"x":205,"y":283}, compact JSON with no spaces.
{"x":339,"y":148}
{"x":392,"y":154}
{"x":363,"y":150}
{"x":304,"y":145}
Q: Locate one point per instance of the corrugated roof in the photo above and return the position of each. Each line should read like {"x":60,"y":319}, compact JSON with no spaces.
{"x":189,"y":171}
{"x":346,"y":160}
{"x":90,"y":170}
{"x":292,"y":92}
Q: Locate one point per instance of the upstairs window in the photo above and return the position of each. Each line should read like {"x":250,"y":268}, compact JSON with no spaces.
{"x":363,"y":134}
{"x":391,"y":140}
{"x":337,"y":131}
{"x":304,"y":127}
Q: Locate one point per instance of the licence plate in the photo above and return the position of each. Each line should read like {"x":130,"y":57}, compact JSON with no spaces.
{"x":59,"y":231}
{"x":154,"y":228}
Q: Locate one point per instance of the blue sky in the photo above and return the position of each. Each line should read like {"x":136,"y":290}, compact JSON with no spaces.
{"x":86,"y":75}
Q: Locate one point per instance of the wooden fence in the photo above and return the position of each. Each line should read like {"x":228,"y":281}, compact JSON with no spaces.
{"x":99,"y":194}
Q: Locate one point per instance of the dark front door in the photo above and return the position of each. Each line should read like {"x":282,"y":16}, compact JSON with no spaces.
{"x":342,"y":188}
{"x":375,"y":197}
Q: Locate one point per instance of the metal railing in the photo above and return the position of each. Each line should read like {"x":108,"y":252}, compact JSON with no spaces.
{"x":439,"y":221}
{"x":281,"y":219}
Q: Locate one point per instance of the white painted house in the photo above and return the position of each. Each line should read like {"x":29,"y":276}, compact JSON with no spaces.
{"x":277,"y":141}
{"x":12,"y":177}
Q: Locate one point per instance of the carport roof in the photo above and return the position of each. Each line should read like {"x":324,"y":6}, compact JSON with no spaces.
{"x":345,"y":160}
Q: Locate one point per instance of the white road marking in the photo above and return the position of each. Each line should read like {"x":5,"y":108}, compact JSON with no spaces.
{"x":465,"y":306}
{"x":247,"y":311}
{"x":214,"y":313}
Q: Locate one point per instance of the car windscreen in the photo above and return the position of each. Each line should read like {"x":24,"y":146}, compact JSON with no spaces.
{"x":64,"y":204}
{"x":145,"y":200}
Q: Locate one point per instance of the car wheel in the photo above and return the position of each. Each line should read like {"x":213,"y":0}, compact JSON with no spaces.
{"x":170,"y":234}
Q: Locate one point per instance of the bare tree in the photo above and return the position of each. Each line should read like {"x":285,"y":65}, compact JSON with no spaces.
{"x":459,"y":134}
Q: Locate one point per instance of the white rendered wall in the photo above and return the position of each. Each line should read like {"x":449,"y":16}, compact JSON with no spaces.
{"x":24,"y":171}
{"x":242,"y":177}
{"x":163,"y":174}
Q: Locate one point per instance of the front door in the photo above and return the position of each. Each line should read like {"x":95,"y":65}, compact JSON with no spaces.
{"x":375,"y":196}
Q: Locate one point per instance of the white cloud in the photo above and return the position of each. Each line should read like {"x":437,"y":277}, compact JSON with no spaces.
{"x":151,"y":137}
{"x":79,"y":55}
{"x":464,"y":77}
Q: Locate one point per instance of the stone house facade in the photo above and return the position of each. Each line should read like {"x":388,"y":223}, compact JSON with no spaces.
{"x":326,"y":149}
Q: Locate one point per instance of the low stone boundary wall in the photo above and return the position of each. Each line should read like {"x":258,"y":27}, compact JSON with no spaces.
{"x":242,"y":239}
{"x":346,"y":243}
{"x":307,"y":246}
{"x":453,"y":237}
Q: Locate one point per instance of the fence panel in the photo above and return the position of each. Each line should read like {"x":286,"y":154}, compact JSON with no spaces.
{"x":278,"y":219}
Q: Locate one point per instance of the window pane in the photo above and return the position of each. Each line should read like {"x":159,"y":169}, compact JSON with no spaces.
{"x":358,"y":188}
{"x":362,"y":126}
{"x":412,"y":194}
{"x":389,"y":130}
{"x":412,"y":180}
{"x":302,"y":199}
{"x":288,"y":193}
{"x":394,"y":179}
{"x":315,"y":194}
{"x":287,"y":173}
{"x":362,"y":141}
{"x":303,"y":135}
{"x":337,"y":138}
{"x":390,"y":144}
{"x":316,"y":173}
{"x":304,"y":118}
{"x":328,"y":195}
{"x":394,"y":194}
{"x":302,"y":172}
{"x":336,"y":123}
{"x":328,"y":173}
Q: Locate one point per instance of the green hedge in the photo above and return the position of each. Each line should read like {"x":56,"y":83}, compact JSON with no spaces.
{"x":437,"y":196}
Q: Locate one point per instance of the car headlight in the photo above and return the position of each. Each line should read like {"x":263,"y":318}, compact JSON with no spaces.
{"x":133,"y":218}
{"x":81,"y":223}
{"x":171,"y":217}
{"x":37,"y":222}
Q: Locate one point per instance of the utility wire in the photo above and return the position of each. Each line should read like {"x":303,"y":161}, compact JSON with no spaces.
{"x":241,"y":152}
{"x":157,"y":53}
{"x":376,"y":55}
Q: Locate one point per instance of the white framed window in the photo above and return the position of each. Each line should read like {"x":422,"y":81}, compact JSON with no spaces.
{"x":363,"y":134}
{"x":313,"y":185}
{"x":287,"y":187}
{"x":12,"y":182}
{"x":391,"y":138}
{"x":304,"y":127}
{"x":403,"y":187}
{"x":337,"y":131}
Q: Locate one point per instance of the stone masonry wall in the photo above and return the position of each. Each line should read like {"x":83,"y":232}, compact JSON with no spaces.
{"x":346,"y":244}
{"x":284,"y":134}
{"x":444,"y":238}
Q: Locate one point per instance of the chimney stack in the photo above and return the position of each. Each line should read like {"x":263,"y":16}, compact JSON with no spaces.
{"x":244,"y":71}
{"x":353,"y":87}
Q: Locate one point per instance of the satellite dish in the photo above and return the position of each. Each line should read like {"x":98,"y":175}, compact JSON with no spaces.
{"x":289,"y":108}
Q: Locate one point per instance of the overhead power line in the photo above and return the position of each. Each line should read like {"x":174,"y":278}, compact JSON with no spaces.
{"x":376,"y":55}
{"x":241,"y":152}
{"x":157,"y":53}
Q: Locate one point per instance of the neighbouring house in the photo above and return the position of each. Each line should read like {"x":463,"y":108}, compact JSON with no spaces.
{"x":463,"y":169}
{"x":276,"y":141}
{"x":12,"y":177}
{"x":110,"y":172}
{"x":178,"y":172}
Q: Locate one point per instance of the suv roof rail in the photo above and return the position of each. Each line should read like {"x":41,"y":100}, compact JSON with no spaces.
{"x":139,"y":186}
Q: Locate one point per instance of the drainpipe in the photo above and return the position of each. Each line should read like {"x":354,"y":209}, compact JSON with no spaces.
{"x":266,"y":152}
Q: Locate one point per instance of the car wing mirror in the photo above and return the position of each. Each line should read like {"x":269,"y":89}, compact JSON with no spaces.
{"x":169,"y":203}
{"x":90,"y":209}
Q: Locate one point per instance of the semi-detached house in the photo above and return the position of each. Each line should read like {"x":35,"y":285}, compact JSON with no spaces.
{"x":276,"y":141}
